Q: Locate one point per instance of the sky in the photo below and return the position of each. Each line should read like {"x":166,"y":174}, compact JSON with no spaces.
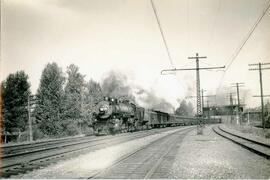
{"x":123,"y":35}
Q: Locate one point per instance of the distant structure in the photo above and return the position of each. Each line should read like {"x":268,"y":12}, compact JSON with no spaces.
{"x":228,"y":113}
{"x":252,"y":117}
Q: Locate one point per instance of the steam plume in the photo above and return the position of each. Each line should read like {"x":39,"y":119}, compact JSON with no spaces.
{"x":115,"y":85}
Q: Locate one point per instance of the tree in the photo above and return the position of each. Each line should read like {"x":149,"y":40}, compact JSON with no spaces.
{"x":1,"y":108}
{"x":49,"y":107}
{"x":73,"y":98}
{"x":184,"y":109}
{"x":91,"y":96}
{"x":73,"y":92}
{"x":16,"y":90}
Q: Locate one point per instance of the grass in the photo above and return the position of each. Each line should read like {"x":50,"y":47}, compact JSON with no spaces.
{"x":255,"y":131}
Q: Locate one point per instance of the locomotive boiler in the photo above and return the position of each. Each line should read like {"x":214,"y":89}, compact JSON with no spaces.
{"x":112,"y":116}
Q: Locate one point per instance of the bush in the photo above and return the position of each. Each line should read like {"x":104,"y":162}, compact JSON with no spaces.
{"x":87,"y":130}
{"x":38,"y":134}
{"x":70,"y":127}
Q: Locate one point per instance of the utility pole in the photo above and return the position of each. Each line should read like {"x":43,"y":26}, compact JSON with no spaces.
{"x":262,"y":109}
{"x":202,"y":101}
{"x":230,"y":109}
{"x":197,"y":57}
{"x":237,"y":85}
{"x":30,"y":102}
{"x":231,"y":106}
{"x":259,"y":65}
{"x":198,"y":83}
{"x":29,"y":119}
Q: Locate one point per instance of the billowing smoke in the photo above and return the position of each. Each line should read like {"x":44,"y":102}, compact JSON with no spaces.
{"x":115,"y":84}
{"x":151,"y":101}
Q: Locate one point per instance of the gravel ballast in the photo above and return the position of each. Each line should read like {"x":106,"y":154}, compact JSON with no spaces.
{"x":86,"y":165}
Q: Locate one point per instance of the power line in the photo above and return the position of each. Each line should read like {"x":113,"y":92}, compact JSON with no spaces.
{"x":235,"y":55}
{"x":188,"y":29}
{"x":197,"y":69}
{"x":214,"y":24}
{"x":162,"y":33}
{"x":249,"y":35}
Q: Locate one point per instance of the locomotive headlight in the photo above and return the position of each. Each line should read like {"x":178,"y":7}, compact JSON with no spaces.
{"x":103,"y":109}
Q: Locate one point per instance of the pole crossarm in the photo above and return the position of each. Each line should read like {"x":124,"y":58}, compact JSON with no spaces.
{"x":189,"y":69}
{"x":238,"y":83}
{"x":253,"y":69}
{"x":200,"y":57}
{"x":261,"y":96}
{"x":238,"y":86}
{"x":203,"y":96}
{"x":257,"y":64}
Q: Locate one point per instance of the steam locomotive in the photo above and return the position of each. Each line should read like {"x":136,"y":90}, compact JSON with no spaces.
{"x":121,"y":115}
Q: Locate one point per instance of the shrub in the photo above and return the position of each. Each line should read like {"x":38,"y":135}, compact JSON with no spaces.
{"x":38,"y":134}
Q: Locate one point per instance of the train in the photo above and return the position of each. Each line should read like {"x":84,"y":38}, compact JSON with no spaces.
{"x":113,"y":116}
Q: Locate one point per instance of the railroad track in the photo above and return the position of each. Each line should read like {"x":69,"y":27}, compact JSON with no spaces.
{"x":259,"y":148}
{"x":145,"y":162}
{"x":33,"y":156}
{"x":17,"y":150}
{"x":28,"y":148}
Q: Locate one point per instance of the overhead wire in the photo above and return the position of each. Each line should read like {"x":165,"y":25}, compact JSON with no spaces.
{"x":214,"y":25}
{"x":238,"y":50}
{"x":188,"y":29}
{"x":248,"y":36}
{"x":162,"y":33}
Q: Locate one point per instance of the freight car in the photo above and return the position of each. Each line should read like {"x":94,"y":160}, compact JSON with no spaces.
{"x":115,"y":116}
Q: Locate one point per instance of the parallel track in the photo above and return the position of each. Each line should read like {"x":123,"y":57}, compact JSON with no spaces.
{"x":37,"y":155}
{"x":259,"y":148}
{"x":170,"y":141}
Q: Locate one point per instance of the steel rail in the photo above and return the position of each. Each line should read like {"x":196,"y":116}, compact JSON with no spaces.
{"x":152,"y":170}
{"x":251,"y":145}
{"x":50,"y":155}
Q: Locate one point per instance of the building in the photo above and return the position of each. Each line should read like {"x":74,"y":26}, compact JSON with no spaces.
{"x":227,"y":113}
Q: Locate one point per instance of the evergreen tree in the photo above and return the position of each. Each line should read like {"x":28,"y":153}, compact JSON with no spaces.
{"x":1,"y":107}
{"x":92,"y":95}
{"x":73,"y":92}
{"x":49,"y":105}
{"x":16,"y":90}
{"x":73,"y":100}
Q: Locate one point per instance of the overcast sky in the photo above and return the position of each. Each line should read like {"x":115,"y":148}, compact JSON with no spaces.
{"x":123,"y":35}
